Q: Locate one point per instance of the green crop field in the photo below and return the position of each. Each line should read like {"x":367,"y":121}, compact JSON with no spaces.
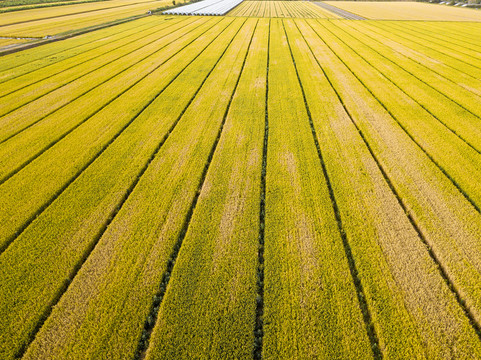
{"x":277,"y":183}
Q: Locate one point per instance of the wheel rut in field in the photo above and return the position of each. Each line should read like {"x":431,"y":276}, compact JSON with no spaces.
{"x":259,"y":323}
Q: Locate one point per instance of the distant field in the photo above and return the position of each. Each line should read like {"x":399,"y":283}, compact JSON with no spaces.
{"x":12,"y":4}
{"x":182,"y":187}
{"x":392,"y":10}
{"x":51,"y":21}
{"x":284,"y":9}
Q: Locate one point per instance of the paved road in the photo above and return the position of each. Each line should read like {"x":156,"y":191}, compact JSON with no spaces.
{"x":345,"y":14}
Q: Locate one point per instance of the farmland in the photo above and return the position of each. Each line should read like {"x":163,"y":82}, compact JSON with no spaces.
{"x":277,"y":183}
{"x":62,"y":19}
{"x":407,"y":10}
{"x":283,"y":9}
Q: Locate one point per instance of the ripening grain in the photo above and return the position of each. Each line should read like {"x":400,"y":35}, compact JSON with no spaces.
{"x":242,"y":187}
{"x":62,"y":19}
{"x":405,"y":10}
{"x":281,"y":9}
{"x":306,"y":271}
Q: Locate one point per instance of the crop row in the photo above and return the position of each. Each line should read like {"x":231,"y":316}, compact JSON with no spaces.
{"x":434,"y":122}
{"x":67,"y":22}
{"x":465,"y":74}
{"x":273,"y":9}
{"x":82,"y":82}
{"x":71,"y":54}
{"x":453,"y":83}
{"x":33,"y":59}
{"x":74,"y":75}
{"x":241,"y":186}
{"x":127,"y":261}
{"x":39,"y":14}
{"x":467,"y":33}
{"x":28,"y":145}
{"x":426,"y":132}
{"x":208,"y":309}
{"x":403,"y":252}
{"x":86,"y":146}
{"x":307,"y":272}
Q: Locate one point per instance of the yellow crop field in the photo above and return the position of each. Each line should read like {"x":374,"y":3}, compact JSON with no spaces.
{"x":62,"y":19}
{"x":280,"y":183}
{"x":405,"y":10}
{"x":43,"y":13}
{"x":282,"y":9}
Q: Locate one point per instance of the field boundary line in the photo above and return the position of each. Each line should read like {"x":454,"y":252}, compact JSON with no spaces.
{"x":259,"y":321}
{"x":117,"y":208}
{"x":87,"y":73}
{"x":76,"y":175}
{"x":71,"y":35}
{"x":368,"y":322}
{"x":151,"y":319}
{"x":404,"y":92}
{"x":432,"y":254}
{"x":55,"y":141}
{"x":458,"y":187}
